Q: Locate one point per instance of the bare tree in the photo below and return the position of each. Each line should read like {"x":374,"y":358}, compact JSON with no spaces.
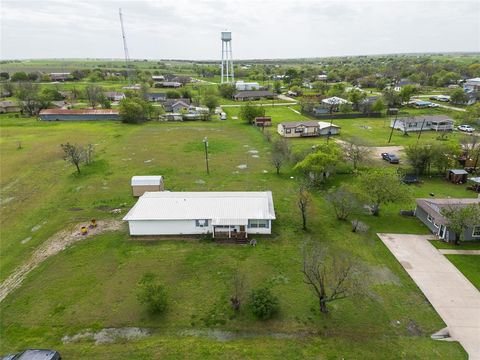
{"x":278,"y":160}
{"x":303,"y":203}
{"x":344,"y":202}
{"x":330,"y":276}
{"x":239,"y":286}
{"x":356,"y":151}
{"x":73,"y":154}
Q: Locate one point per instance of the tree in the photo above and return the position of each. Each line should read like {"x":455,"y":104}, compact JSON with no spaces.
{"x":471,"y":115}
{"x":74,"y":154}
{"x":381,"y":186}
{"x":211,"y":102}
{"x":238,"y":291}
{"x":420,"y":157}
{"x":345,"y":108}
{"x":94,"y":94}
{"x":52,"y":94}
{"x":406,"y":93}
{"x":277,"y":86}
{"x":153,"y":295}
{"x":263,"y":303}
{"x":356,"y":151}
{"x":458,"y":97}
{"x":356,"y":97}
{"x":4,"y":75}
{"x":277,"y":160}
{"x":19,"y":76}
{"x":227,"y":90}
{"x":249,"y":112}
{"x":330,"y":276}
{"x":459,"y":219}
{"x":344,"y":201}
{"x":303,"y":202}
{"x":378,"y":105}
{"x":172,"y":94}
{"x":319,"y":164}
{"x":134,"y":110}
{"x":31,"y":100}
{"x":392,"y":98}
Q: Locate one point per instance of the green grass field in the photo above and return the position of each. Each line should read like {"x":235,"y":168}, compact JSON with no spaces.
{"x":93,"y":284}
{"x":469,"y":265}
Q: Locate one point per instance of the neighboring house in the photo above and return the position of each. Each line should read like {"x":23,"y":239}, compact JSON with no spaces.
{"x":320,"y":110}
{"x":472,"y":85}
{"x":142,"y":184}
{"x":322,"y":77}
{"x":262,"y":121}
{"x":221,"y":214}
{"x":404,"y":82}
{"x":156,"y":97}
{"x":78,"y":114}
{"x":242,"y":86}
{"x":114,"y":95}
{"x":61,"y":104}
{"x":61,"y":76}
{"x":425,"y":122}
{"x":429,"y":211}
{"x":168,"y":84}
{"x":298,"y":128}
{"x":333,"y":103}
{"x":254,"y":95}
{"x":158,"y":77}
{"x":9,"y":107}
{"x":176,"y":105}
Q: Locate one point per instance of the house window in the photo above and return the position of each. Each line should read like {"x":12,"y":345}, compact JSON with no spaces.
{"x":476,"y":231}
{"x":430,"y":218}
{"x":288,"y":131}
{"x":436,"y":225}
{"x":412,"y":124}
{"x":258,"y":224}
{"x":201,"y":223}
{"x":299,"y":130}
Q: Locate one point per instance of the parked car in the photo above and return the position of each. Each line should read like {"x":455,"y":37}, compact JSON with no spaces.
{"x":391,"y":158}
{"x":466,"y":128}
{"x":433,"y":105}
{"x":34,"y":354}
{"x":444,"y":98}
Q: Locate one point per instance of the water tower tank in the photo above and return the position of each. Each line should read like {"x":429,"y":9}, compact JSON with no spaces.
{"x":226,"y":35}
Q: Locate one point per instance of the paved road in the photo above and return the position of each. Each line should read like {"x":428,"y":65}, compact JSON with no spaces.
{"x":455,"y":299}
{"x":439,"y":104}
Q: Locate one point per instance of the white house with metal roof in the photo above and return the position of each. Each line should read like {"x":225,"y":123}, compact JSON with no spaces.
{"x":223,"y":214}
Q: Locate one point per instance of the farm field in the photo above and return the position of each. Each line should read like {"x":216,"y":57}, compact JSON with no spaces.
{"x":93,"y":285}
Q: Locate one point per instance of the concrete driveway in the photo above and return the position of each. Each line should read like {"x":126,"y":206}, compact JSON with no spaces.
{"x":455,"y":299}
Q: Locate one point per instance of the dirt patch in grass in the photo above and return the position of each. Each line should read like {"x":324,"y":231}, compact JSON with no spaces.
{"x":414,"y":329}
{"x":108,"y":335}
{"x":55,"y":244}
{"x":222,"y":335}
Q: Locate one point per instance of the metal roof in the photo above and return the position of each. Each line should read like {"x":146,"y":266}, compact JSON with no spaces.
{"x":458,"y":171}
{"x":146,"y":180}
{"x":434,"y":206}
{"x":235,"y":206}
{"x":79,"y":112}
{"x":294,"y":124}
{"x":324,"y":125}
{"x":335,"y":100}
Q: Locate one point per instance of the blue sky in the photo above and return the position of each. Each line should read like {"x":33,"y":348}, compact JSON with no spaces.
{"x":190,"y":29}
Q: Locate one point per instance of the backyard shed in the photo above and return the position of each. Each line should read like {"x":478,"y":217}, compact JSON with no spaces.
{"x":326,"y":128}
{"x":457,"y":176}
{"x":78,"y":114}
{"x":142,"y":184}
{"x":262,"y":121}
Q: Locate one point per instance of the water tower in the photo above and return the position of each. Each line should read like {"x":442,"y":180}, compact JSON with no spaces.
{"x":227,"y":61}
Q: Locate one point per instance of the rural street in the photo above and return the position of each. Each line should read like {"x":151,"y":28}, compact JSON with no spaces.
{"x":454,"y":298}
{"x":439,"y":104}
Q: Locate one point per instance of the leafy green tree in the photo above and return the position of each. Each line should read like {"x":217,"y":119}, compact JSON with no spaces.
{"x":345,"y":108}
{"x":172,"y":94}
{"x":392,"y":97}
{"x":458,"y":97}
{"x":52,"y":94}
{"x":249,"y":112}
{"x":459,"y":219}
{"x":319,"y":164}
{"x":420,"y":157}
{"x":134,"y":110}
{"x":4,"y":75}
{"x":277,"y":86}
{"x":153,"y":295}
{"x":378,"y":105}
{"x":263,"y":303}
{"x":31,"y":99}
{"x":94,"y":94}
{"x":227,"y":90}
{"x":356,"y":97}
{"x":471,"y":115}
{"x":381,"y":186}
{"x":19,"y":76}
{"x":406,"y":93}
{"x":211,"y":102}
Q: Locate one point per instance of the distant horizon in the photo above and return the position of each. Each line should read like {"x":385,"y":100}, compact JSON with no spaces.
{"x":469,"y":53}
{"x":271,"y":29}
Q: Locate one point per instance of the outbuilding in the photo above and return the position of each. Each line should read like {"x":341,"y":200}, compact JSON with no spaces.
{"x":226,"y":214}
{"x":262,"y":121}
{"x":457,"y":176}
{"x":78,"y":114}
{"x":326,"y":128}
{"x":142,"y":184}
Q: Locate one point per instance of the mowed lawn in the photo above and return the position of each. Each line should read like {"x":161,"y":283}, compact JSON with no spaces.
{"x":469,"y":265}
{"x":93,"y":285}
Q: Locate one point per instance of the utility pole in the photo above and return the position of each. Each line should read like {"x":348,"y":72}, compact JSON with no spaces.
{"x":393,"y":127}
{"x":205,"y":142}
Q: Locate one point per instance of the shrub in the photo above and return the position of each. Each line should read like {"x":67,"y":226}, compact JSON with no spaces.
{"x":263,"y":303}
{"x":153,"y":295}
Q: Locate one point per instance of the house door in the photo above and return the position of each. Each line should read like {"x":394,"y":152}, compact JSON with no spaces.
{"x":441,"y":233}
{"x":242,"y":228}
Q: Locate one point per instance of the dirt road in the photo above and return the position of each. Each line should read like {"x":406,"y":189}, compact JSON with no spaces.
{"x":57,"y":243}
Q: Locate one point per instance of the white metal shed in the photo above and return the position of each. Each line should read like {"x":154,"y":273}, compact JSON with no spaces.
{"x":141,"y":184}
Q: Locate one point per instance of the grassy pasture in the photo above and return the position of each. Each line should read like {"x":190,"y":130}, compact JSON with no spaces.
{"x":92,"y":285}
{"x":469,"y":265}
